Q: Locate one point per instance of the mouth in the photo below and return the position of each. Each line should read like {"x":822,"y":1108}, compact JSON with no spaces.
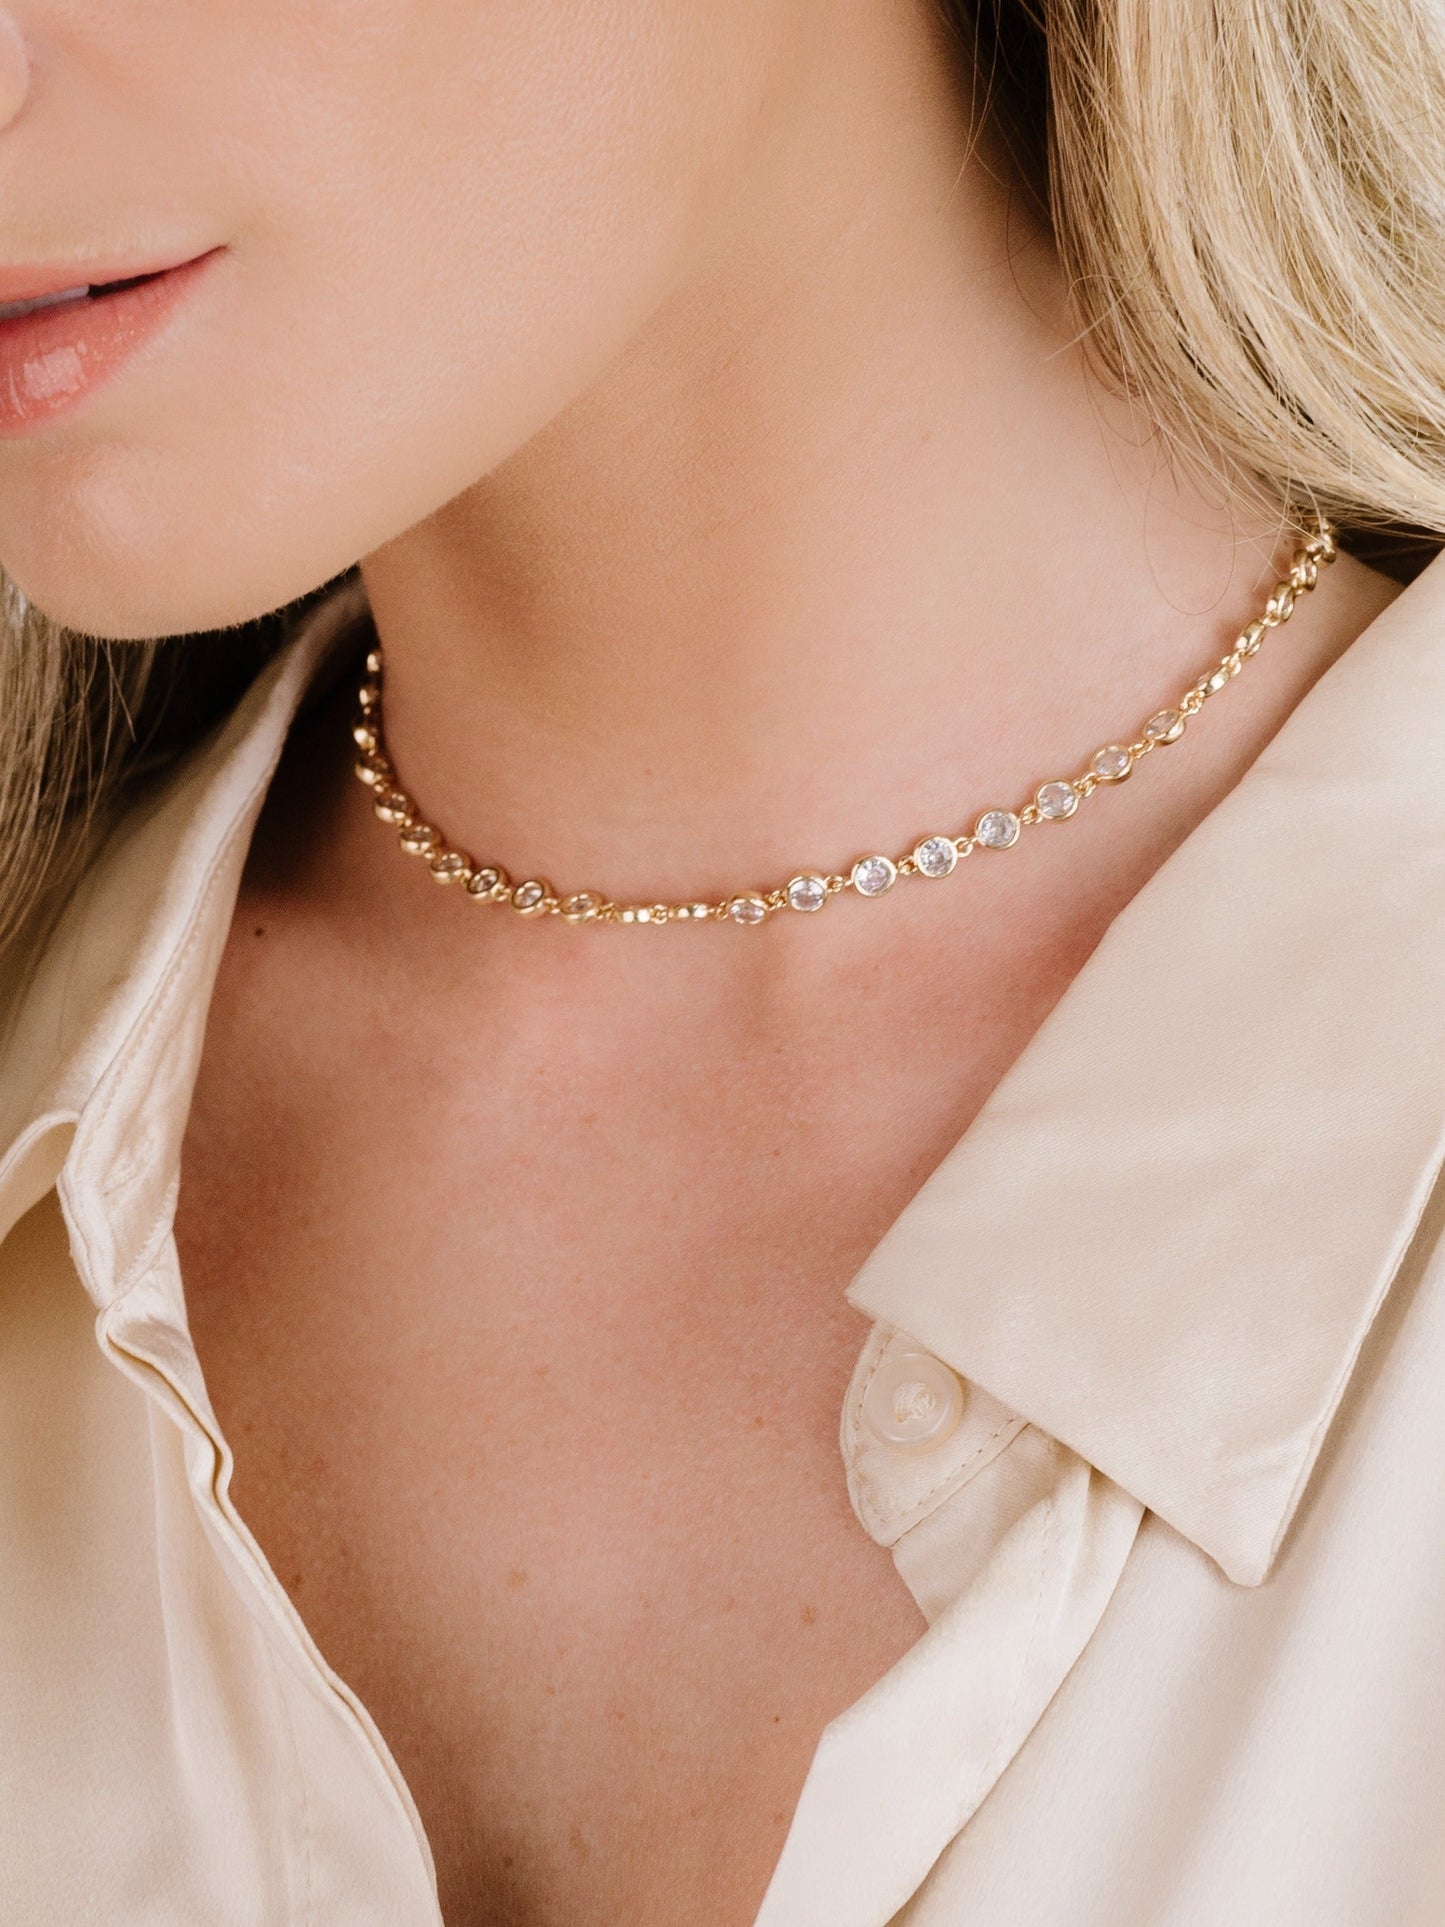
{"x":68,"y":297}
{"x":61,"y":338}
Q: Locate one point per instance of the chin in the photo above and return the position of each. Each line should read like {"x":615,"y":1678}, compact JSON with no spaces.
{"x":134,"y":605}
{"x":104,"y":554}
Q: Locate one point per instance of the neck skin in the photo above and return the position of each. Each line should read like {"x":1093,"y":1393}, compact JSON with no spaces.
{"x":847,"y":546}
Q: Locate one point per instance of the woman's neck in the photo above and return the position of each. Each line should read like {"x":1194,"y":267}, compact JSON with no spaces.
{"x":844,"y":545}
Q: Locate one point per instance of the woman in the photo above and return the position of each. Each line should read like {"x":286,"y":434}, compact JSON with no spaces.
{"x":796,"y":451}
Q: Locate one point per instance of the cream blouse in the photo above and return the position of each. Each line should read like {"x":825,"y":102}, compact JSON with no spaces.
{"x":1152,"y":1415}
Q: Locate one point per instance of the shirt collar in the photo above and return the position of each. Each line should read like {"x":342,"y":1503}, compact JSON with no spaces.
{"x":103,"y":1033}
{"x":1166,"y":1233}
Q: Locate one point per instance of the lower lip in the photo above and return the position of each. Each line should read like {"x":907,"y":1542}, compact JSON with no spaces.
{"x":52,"y":358}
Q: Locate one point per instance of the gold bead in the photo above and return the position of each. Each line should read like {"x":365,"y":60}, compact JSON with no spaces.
{"x":1280,"y":606}
{"x":373,"y":662}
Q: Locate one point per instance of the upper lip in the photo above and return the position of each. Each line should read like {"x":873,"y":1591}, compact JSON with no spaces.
{"x":33,"y":282}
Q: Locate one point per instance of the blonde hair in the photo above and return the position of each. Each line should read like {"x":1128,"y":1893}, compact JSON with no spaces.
{"x":1249,"y":198}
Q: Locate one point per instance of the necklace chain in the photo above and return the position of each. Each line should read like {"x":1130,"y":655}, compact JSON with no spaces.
{"x":933,"y":856}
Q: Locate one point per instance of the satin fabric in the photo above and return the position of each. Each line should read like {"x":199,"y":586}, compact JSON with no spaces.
{"x":1182,"y":1559}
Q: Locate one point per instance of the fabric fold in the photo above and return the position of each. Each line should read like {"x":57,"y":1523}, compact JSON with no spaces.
{"x":895,"y":1777}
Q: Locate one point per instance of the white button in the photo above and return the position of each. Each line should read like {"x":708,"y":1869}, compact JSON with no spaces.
{"x":912,"y":1399}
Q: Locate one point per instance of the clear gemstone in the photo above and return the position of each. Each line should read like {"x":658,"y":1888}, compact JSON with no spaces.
{"x":1111,"y":762}
{"x":530,"y":897}
{"x":418,"y":838}
{"x":1056,"y":800}
{"x":581,"y":907}
{"x":935,"y":856}
{"x":448,"y":865}
{"x":747,"y":909}
{"x":486,"y":882}
{"x":392,"y":806}
{"x":807,"y":892}
{"x":1166,"y":726}
{"x":997,"y":829}
{"x":872,"y":875}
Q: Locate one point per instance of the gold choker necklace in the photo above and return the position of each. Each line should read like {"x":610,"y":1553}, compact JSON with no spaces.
{"x":871,"y":876}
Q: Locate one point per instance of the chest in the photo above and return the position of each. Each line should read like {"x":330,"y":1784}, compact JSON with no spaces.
{"x":540,"y":1433}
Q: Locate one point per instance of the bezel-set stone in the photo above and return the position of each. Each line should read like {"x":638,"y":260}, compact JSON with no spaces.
{"x":447,"y":865}
{"x":997,"y":829}
{"x":1112,"y":763}
{"x":531,"y":897}
{"x":488,"y":884}
{"x":391,"y":805}
{"x":419,"y":839}
{"x":747,"y":908}
{"x":581,"y":907}
{"x":871,"y":876}
{"x":1164,"y":726}
{"x":935,"y":856}
{"x":1055,"y":801}
{"x":807,"y":892}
